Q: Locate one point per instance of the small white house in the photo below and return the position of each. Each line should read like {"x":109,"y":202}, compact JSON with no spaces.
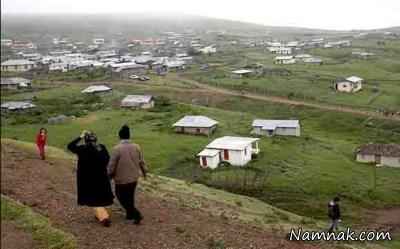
{"x":285,"y":60}
{"x":138,"y":101}
{"x":198,"y":125}
{"x":208,"y":50}
{"x":237,"y":151}
{"x":98,"y":41}
{"x":17,"y":105}
{"x":97,"y":89}
{"x":17,"y":65}
{"x":380,"y":154}
{"x":350,"y":85}
{"x":270,"y":128}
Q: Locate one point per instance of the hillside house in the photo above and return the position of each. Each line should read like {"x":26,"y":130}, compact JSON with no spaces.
{"x":97,"y":89}
{"x":17,"y":106}
{"x":241,"y":73}
{"x":313,"y":60}
{"x":197,"y":125}
{"x":17,"y":65}
{"x":98,"y":41}
{"x":380,"y":154}
{"x":350,"y":85}
{"x":15,"y":83}
{"x":237,"y":151}
{"x":138,"y":101}
{"x":208,"y":50}
{"x":285,"y":60}
{"x":270,"y":128}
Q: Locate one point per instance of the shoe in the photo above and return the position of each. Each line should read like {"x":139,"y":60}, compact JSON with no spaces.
{"x":106,"y":222}
{"x":138,"y":221}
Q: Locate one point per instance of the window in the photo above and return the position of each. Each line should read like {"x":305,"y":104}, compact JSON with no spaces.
{"x":197,"y":130}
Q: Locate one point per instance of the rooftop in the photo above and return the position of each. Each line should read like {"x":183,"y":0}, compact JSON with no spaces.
{"x":272,"y":124}
{"x":138,"y":98}
{"x":16,"y":62}
{"x":195,"y":121}
{"x":389,"y":150}
{"x":98,"y":88}
{"x":231,"y":143}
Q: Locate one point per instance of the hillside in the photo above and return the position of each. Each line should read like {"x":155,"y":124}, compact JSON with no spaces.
{"x":182,"y":215}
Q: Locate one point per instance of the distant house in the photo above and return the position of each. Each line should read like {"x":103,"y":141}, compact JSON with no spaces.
{"x":241,"y":72}
{"x":17,"y":66}
{"x":132,"y":67}
{"x":313,"y":60}
{"x":381,"y":154}
{"x":17,"y":105}
{"x":198,"y":125}
{"x":285,"y":60}
{"x":96,"y":89}
{"x":351,"y":84}
{"x":269,"y":128}
{"x":237,"y":151}
{"x":208,"y":50}
{"x":98,"y":41}
{"x":138,"y":101}
{"x":15,"y":83}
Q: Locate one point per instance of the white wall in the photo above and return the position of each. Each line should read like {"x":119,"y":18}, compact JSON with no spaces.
{"x":391,"y":161}
{"x":212,"y":162}
{"x":288,"y":131}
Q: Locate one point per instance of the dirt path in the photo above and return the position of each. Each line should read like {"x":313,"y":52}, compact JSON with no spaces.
{"x":282,"y":100}
{"x":15,"y":238}
{"x":49,"y":188}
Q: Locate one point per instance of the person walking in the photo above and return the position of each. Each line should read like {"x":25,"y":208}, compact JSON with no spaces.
{"x":334,"y":214}
{"x":125,"y":167}
{"x":93,"y":183}
{"x":41,"y":141}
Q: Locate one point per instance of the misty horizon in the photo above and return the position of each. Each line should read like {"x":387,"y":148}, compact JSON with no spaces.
{"x":311,"y":14}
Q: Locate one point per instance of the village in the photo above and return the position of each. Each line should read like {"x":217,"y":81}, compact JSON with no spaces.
{"x":289,"y":120}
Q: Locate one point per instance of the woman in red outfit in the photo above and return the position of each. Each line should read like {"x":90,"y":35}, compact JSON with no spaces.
{"x":41,"y":139}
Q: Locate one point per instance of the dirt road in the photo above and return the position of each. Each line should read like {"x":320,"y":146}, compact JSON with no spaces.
{"x":286,"y":101}
{"x":49,"y":187}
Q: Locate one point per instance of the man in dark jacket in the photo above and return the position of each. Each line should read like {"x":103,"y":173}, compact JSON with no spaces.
{"x":334,"y":214}
{"x":125,"y":167}
{"x":93,"y":183}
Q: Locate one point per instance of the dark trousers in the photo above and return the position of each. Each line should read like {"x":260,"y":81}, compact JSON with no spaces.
{"x":126,"y":196}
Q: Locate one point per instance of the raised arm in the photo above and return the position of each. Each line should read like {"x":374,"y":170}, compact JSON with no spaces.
{"x":73,"y":146}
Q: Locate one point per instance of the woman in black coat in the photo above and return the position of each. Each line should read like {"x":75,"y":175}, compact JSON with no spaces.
{"x":93,"y":183}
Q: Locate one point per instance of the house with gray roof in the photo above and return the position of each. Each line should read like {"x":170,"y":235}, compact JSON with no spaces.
{"x":138,"y":101}
{"x":17,"y":105}
{"x":197,"y":125}
{"x":267,"y":127}
{"x":15,"y":83}
{"x":379,"y":154}
{"x":17,"y":65}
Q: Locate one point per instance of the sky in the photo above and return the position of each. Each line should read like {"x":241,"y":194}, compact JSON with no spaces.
{"x":324,"y":14}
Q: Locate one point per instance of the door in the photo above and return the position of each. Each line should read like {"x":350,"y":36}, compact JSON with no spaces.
{"x":204,"y":161}
{"x":226,"y":154}
{"x":378,"y":159}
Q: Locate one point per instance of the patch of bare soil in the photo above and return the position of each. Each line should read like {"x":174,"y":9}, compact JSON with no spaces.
{"x":49,"y":188}
{"x":15,"y":238}
{"x":386,"y":219}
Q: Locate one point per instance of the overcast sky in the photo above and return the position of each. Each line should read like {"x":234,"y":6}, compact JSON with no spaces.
{"x":332,"y":14}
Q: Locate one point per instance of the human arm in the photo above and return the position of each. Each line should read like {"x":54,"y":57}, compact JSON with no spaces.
{"x":142,"y":163}
{"x":113,"y":162}
{"x":73,"y":145}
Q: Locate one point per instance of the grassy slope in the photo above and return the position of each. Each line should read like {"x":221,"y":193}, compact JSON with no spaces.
{"x":313,"y":82}
{"x":39,"y":226}
{"x":304,"y":173}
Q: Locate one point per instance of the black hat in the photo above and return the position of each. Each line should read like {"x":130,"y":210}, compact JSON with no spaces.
{"x":124,"y":132}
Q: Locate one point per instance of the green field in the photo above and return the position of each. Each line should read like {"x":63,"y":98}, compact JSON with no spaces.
{"x":313,"y":82}
{"x":298,"y":174}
